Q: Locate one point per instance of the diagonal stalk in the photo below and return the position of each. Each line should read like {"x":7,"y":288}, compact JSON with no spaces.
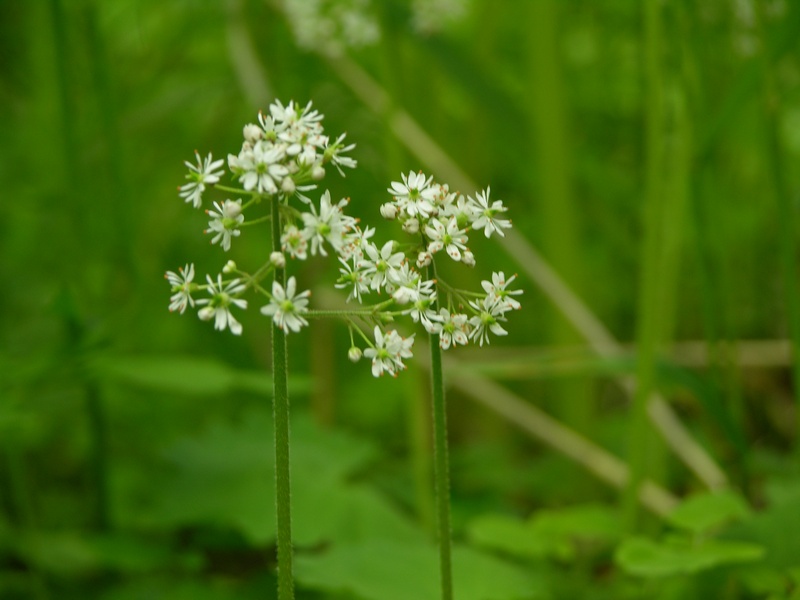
{"x":280,"y":407}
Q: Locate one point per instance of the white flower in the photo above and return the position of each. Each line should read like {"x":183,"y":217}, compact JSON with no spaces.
{"x":252,"y":133}
{"x":388,"y":352}
{"x":259,"y":168}
{"x":294,"y":242}
{"x":414,"y":195}
{"x":218,"y":306}
{"x":487,"y":219}
{"x":389,"y":211}
{"x":354,"y":242}
{"x":285,"y":307}
{"x":330,"y":224}
{"x":423,"y":296}
{"x":464,"y":210}
{"x":379,"y":265}
{"x":336,"y":154}
{"x":447,"y":236}
{"x":490,"y":312}
{"x":205,"y":173}
{"x":497,"y":291}
{"x":453,"y":329}
{"x":352,"y":278}
{"x":225,"y":221}
{"x":182,"y":287}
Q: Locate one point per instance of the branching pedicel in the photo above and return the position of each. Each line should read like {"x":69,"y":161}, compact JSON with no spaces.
{"x":281,"y":159}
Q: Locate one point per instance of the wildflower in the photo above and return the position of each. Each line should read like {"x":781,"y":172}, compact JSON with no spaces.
{"x":352,"y":277}
{"x":497,"y":291}
{"x":259,"y":167}
{"x":453,"y":329}
{"x":286,"y":307}
{"x":378,"y":265}
{"x":414,"y":195}
{"x":487,"y":219}
{"x":225,"y":222}
{"x":389,"y":351}
{"x":447,"y":236}
{"x":205,"y":173}
{"x":294,"y":242}
{"x":218,"y":306}
{"x":329,"y":224}
{"x":335,"y":153}
{"x":182,"y":287}
{"x":489,"y":313}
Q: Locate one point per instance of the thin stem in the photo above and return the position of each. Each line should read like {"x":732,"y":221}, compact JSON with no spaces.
{"x":97,"y":425}
{"x":280,"y":406}
{"x":441,"y":461}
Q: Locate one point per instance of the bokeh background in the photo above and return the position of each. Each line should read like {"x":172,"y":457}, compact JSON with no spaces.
{"x":648,"y":154}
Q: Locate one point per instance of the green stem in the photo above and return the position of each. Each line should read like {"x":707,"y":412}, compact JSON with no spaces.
{"x":97,"y":425}
{"x":649,"y":301}
{"x":441,"y":462}
{"x":280,"y":404}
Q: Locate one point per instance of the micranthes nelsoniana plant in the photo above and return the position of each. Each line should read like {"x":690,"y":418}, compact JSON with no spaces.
{"x":282,"y":159}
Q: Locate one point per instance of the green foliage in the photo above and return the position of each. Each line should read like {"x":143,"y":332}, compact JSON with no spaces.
{"x":136,"y":454}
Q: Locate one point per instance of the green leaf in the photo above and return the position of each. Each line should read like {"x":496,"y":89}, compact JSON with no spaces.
{"x":700,"y":513}
{"x":391,"y":570}
{"x":646,"y":558}
{"x":510,"y":535}
{"x":187,"y":375}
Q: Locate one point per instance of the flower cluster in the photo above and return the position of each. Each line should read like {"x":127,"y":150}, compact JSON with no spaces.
{"x":283,"y":157}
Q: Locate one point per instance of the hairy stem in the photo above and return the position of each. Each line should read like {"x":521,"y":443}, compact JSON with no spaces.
{"x":280,"y":407}
{"x":441,"y":462}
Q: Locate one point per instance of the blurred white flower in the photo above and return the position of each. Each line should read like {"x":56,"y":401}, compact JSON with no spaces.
{"x":286,"y":307}
{"x":207,"y":172}
{"x":389,"y":351}
{"x":181,"y":283}
{"x":218,"y":306}
{"x":225,"y":221}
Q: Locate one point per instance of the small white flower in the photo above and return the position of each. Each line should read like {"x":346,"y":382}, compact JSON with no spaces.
{"x":447,"y":236}
{"x":205,"y":173}
{"x":468,"y":258}
{"x":225,"y":221}
{"x":389,"y":211}
{"x":378,"y":266}
{"x":336,"y":154}
{"x":411,"y":226}
{"x":182,"y":288}
{"x":389,"y":351}
{"x":487,"y":219}
{"x":218,"y":306}
{"x":424,"y":259}
{"x":490,"y":312}
{"x":252,"y":133}
{"x":285,"y":307}
{"x":329,"y":224}
{"x":260,"y":168}
{"x":453,"y":329}
{"x":352,"y":278}
{"x":421,"y":312}
{"x":497,"y":291}
{"x":294,"y":242}
{"x":414,"y":195}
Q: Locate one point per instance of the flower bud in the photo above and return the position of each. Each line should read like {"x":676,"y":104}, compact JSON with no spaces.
{"x":354,"y":354}
{"x":278,"y":259}
{"x":233,"y":209}
{"x":468,"y":258}
{"x":229,"y":267}
{"x":424,"y":259}
{"x":252,"y":133}
{"x":411,"y":226}
{"x":317,"y":173}
{"x":402,"y":295}
{"x":288,"y":186}
{"x":205,"y":313}
{"x":389,"y":211}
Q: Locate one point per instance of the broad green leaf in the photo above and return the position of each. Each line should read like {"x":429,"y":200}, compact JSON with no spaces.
{"x":391,"y":570}
{"x":706,"y":511}
{"x":510,"y":535}
{"x":646,"y":558}
{"x":582,"y":522}
{"x":187,"y":375}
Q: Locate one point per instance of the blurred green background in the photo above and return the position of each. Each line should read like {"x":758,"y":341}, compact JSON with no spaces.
{"x":648,"y":154}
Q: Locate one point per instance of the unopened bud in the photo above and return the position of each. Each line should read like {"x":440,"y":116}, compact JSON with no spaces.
{"x":252,"y":133}
{"x":389,"y":211}
{"x":317,"y":173}
{"x":205,"y":313}
{"x":288,"y":186}
{"x":233,"y":209}
{"x":411,"y":226}
{"x":354,"y":354}
{"x":278,"y":259}
{"x":424,"y":259}
{"x":468,"y":258}
{"x":229,"y":267}
{"x":402,"y":295}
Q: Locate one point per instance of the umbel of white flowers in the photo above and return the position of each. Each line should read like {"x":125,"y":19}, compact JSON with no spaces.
{"x":282,"y":158}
